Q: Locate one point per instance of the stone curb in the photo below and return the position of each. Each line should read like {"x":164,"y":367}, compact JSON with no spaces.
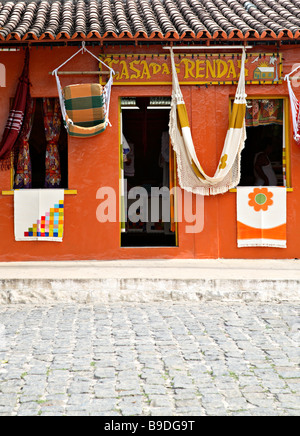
{"x":51,"y":291}
{"x":150,"y":281}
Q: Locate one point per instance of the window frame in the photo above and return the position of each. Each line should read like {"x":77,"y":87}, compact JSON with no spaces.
{"x":12,"y":169}
{"x":286,"y":161}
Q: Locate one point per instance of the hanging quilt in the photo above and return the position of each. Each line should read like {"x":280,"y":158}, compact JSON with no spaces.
{"x":261,"y":216}
{"x":191,"y":175}
{"x":39,"y":214}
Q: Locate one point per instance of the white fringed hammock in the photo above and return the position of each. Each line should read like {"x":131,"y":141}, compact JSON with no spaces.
{"x":191,"y":175}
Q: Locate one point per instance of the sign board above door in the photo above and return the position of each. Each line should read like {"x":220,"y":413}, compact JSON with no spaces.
{"x":194,"y":68}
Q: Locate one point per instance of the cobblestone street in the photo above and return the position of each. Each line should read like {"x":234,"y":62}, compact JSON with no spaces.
{"x":169,"y":359}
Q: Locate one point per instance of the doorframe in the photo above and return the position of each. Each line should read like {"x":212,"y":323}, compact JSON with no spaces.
{"x":122,"y":213}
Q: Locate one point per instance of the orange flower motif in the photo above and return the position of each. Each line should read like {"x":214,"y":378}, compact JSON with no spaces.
{"x":223,"y":162}
{"x":260,"y":199}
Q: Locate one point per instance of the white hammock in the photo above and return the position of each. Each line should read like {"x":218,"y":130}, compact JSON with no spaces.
{"x":191,"y":175}
{"x":295,"y":106}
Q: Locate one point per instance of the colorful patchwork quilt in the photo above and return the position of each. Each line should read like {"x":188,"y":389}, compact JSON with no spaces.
{"x":39,"y":214}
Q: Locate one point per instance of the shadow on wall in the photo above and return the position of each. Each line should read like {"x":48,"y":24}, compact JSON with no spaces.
{"x":2,"y":76}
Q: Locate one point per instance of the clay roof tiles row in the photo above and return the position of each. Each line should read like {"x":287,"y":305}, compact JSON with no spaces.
{"x":149,"y":19}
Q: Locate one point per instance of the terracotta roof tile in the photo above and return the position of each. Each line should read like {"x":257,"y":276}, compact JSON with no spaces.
{"x":47,"y":20}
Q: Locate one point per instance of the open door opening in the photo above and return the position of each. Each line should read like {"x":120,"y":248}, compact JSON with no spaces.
{"x":145,"y":172}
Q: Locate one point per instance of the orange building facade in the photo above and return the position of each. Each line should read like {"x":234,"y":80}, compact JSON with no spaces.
{"x":94,"y":163}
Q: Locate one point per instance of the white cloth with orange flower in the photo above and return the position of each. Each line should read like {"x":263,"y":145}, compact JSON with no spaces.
{"x":261,"y":216}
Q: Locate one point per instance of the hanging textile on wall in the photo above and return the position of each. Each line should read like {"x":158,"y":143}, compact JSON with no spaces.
{"x":85,"y":107}
{"x":52,"y":124}
{"x":23,"y":177}
{"x":264,"y":112}
{"x":39,"y":214}
{"x":261,"y":216}
{"x":190,"y":173}
{"x":15,"y":117}
{"x":295,"y":107}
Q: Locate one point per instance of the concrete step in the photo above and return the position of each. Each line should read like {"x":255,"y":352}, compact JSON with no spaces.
{"x":179,"y":280}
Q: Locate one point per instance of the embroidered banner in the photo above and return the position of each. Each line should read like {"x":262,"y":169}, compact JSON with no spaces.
{"x":193,"y":68}
{"x":261,"y":216}
{"x":39,"y":214}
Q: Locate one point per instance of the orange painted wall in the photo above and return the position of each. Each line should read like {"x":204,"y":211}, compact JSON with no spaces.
{"x":94,"y":163}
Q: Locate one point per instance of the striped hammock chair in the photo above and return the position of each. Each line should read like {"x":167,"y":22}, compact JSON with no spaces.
{"x":84,"y":107}
{"x":191,"y":175}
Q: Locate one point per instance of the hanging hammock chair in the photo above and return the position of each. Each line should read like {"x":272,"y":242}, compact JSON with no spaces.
{"x":84,"y":107}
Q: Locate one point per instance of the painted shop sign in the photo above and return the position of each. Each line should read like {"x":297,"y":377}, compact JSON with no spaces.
{"x":193,"y":69}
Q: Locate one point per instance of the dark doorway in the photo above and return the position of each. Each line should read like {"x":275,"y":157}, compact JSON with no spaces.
{"x":145,"y":127}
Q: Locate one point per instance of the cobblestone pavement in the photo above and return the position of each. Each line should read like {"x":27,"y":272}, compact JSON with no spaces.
{"x":150,"y":359}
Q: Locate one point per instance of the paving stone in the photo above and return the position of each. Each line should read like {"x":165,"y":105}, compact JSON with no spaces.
{"x":166,"y":359}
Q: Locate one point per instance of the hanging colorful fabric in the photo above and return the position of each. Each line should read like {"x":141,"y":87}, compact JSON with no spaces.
{"x":23,"y":177}
{"x":52,"y":162}
{"x":15,"y":117}
{"x":52,"y":123}
{"x":263,"y":112}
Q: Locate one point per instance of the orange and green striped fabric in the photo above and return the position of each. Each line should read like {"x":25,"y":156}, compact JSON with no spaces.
{"x":84,"y":105}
